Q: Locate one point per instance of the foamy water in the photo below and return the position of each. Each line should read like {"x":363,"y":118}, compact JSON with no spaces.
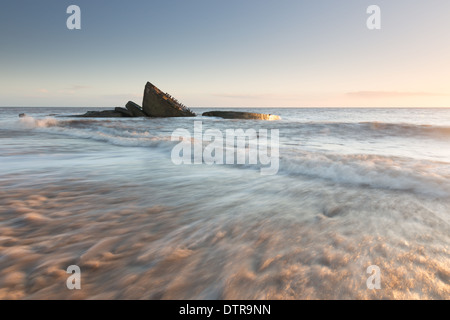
{"x":355,"y":188}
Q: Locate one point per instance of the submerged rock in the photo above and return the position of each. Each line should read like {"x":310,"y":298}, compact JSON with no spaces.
{"x":159,"y":104}
{"x":125,"y":112}
{"x":135,"y":109}
{"x":240,"y":115}
{"x":103,"y":114}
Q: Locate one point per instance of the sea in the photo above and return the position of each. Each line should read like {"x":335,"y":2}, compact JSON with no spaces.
{"x":358,"y":208}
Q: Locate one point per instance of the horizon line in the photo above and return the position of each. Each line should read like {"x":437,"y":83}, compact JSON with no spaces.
{"x":265,"y":107}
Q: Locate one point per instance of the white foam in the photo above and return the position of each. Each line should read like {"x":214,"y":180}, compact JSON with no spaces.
{"x":374,"y":171}
{"x":95,"y":130}
{"x":31,"y":123}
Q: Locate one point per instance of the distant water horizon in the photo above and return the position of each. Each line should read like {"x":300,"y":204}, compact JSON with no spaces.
{"x":244,"y":107}
{"x":356,"y":187}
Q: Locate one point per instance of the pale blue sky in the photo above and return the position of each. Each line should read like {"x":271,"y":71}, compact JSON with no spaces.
{"x":226,"y":53}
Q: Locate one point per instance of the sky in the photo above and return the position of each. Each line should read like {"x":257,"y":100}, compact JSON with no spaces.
{"x":234,"y":53}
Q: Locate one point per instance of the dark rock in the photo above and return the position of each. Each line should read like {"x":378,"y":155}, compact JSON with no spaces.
{"x":135,"y":109}
{"x":22,"y":115}
{"x":159,"y":104}
{"x":240,"y":115}
{"x":103,"y":114}
{"x":125,"y":112}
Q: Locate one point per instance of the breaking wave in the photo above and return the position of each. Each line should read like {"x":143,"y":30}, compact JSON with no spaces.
{"x":377,"y":129}
{"x":108,"y":131}
{"x":391,"y":173}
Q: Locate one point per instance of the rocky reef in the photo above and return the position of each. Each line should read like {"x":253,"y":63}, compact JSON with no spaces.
{"x":158,"y":104}
{"x":135,"y":110}
{"x":240,"y":115}
{"x":103,"y":114}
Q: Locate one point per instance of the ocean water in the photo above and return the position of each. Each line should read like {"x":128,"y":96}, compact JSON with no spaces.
{"x":355,"y":188}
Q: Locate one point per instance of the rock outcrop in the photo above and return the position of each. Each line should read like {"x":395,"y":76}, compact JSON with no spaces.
{"x":155,"y":104}
{"x":240,"y":115}
{"x":135,"y":109}
{"x":103,"y":114}
{"x":159,"y":104}
{"x":132,"y":110}
{"x":124,"y":112}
